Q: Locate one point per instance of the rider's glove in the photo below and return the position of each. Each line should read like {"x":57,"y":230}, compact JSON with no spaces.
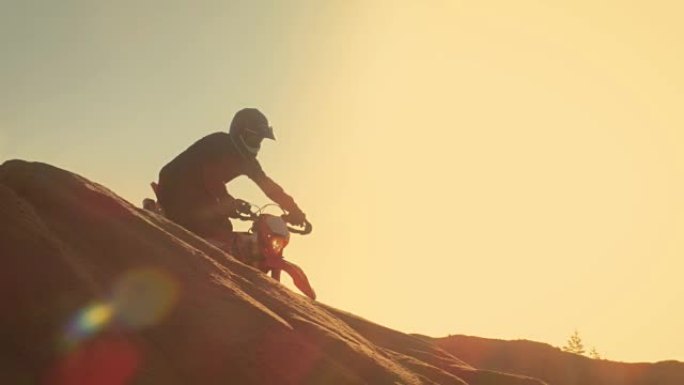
{"x":296,"y":217}
{"x":234,"y":207}
{"x":243,"y":207}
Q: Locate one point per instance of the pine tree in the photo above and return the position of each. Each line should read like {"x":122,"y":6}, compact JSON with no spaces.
{"x":575,"y":344}
{"x":593,"y":353}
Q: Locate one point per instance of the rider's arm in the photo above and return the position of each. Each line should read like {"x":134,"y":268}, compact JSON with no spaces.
{"x":272,"y":190}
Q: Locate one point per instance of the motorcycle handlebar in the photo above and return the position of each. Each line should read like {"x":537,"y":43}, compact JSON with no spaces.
{"x":249,"y":215}
{"x":307,"y":228}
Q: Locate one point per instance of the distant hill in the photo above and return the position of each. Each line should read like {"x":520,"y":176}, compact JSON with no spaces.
{"x":555,"y":366}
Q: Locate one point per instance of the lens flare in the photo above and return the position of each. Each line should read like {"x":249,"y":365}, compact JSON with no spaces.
{"x":87,"y":322}
{"x":102,"y":360}
{"x":141,"y":298}
{"x":144,"y":297}
{"x":96,"y":316}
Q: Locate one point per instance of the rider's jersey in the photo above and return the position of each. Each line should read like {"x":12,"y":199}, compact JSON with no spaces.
{"x":182,"y":182}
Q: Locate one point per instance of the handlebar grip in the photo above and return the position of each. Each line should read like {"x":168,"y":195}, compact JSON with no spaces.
{"x":307,"y":229}
{"x":242,"y":210}
{"x":245,"y":217}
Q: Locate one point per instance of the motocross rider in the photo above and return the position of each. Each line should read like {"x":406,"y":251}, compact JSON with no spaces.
{"x":192,"y":187}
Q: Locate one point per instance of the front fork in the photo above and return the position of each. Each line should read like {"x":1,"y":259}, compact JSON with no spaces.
{"x":299,"y":278}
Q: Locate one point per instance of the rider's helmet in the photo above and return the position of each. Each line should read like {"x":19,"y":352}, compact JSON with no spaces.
{"x":248,"y":128}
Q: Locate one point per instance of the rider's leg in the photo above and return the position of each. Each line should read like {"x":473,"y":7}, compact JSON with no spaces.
{"x":218,"y":231}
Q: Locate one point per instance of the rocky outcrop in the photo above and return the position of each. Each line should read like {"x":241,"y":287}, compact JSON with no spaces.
{"x":96,"y":291}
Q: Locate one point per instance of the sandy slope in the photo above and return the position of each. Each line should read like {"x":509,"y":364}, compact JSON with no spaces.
{"x":96,"y":291}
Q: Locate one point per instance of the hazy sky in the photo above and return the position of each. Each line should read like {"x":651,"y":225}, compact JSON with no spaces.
{"x":505,"y":169}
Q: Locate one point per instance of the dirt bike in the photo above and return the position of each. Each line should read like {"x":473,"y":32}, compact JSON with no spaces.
{"x":262,"y":245}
